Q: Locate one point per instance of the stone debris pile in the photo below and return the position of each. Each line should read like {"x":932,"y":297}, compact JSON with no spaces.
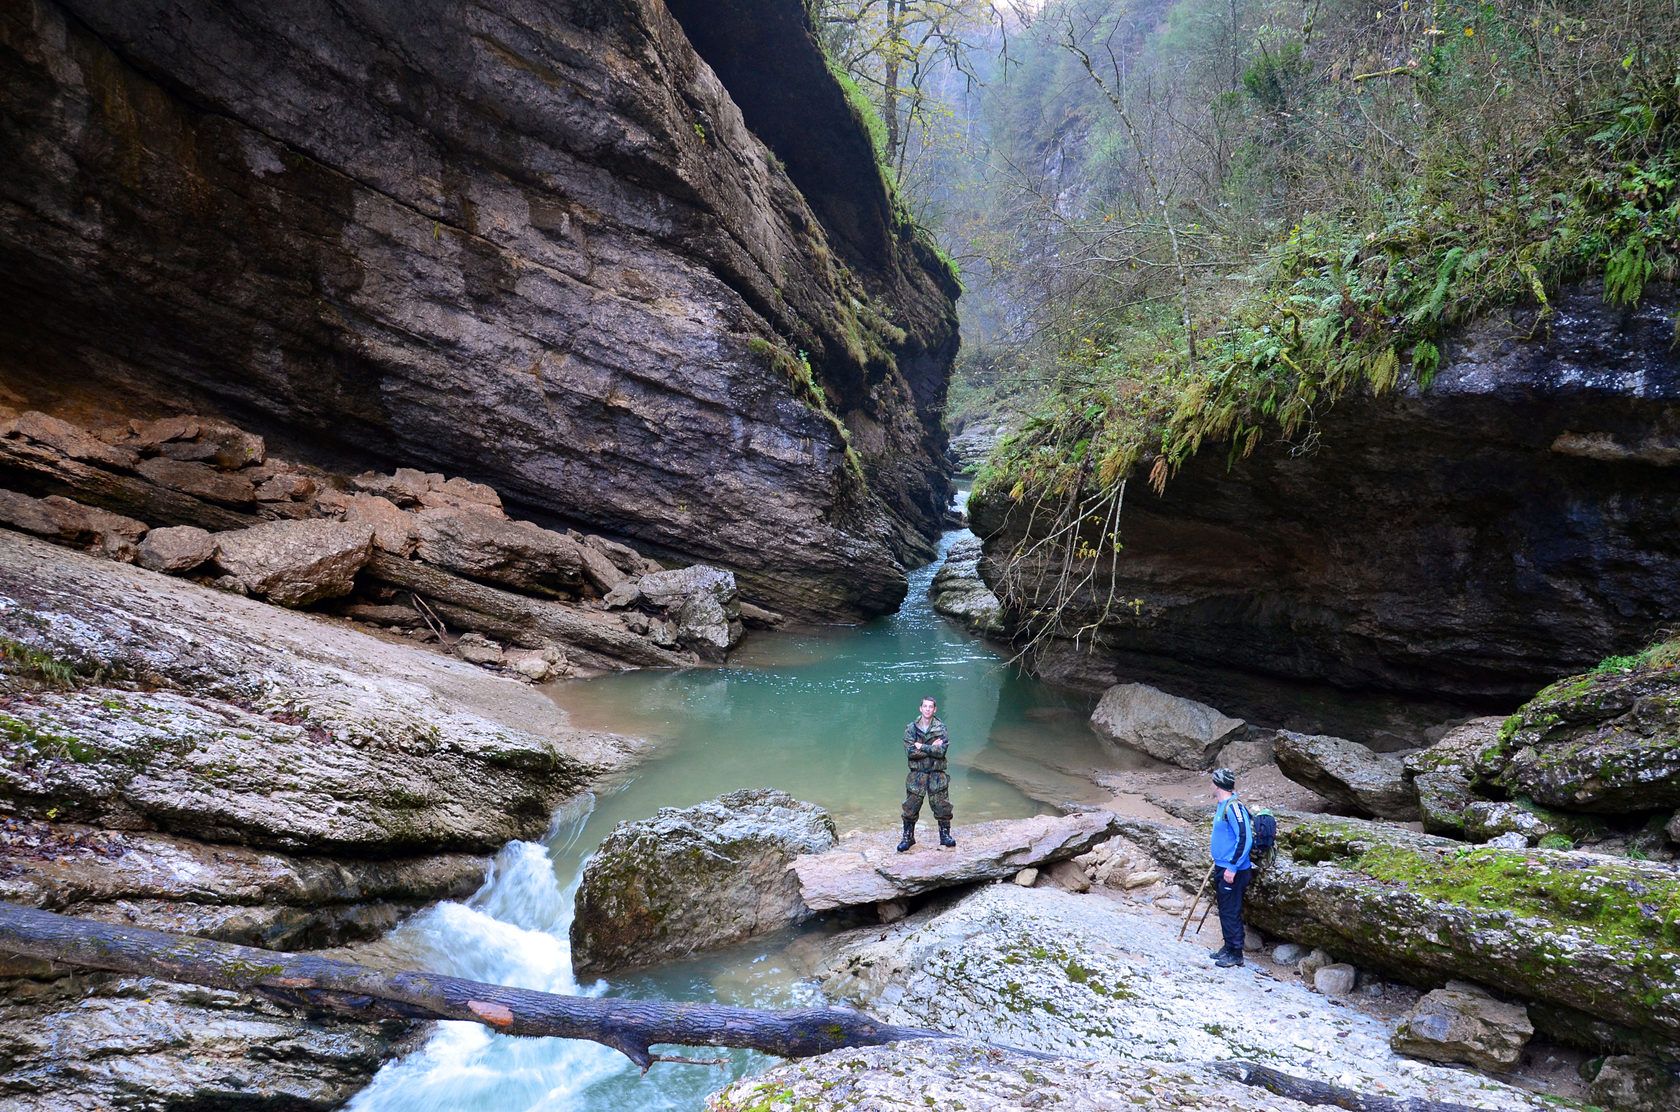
{"x":417,"y":552}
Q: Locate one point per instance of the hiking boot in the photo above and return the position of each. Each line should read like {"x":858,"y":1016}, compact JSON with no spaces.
{"x":909,"y":835}
{"x":1228,"y":959}
{"x":945,"y":838}
{"x":1219,"y":953}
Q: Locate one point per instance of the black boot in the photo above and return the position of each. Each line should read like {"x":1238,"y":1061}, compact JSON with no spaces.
{"x":909,"y":835}
{"x":945,"y":838}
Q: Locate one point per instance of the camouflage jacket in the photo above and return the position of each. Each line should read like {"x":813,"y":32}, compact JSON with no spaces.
{"x":925,"y":748}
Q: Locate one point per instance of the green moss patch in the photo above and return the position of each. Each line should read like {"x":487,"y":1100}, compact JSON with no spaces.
{"x":1612,"y":904}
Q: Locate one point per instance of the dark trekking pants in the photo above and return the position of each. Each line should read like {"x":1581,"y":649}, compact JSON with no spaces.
{"x":1230,"y":907}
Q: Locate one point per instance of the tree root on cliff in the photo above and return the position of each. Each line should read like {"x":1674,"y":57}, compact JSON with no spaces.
{"x":322,"y":984}
{"x":1317,"y":1092}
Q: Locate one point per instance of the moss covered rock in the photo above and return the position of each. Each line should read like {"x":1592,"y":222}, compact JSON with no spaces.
{"x":1604,"y":742}
{"x":1599,"y":935}
{"x":694,"y":877}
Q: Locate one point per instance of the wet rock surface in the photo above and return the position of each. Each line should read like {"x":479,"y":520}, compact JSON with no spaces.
{"x":867,"y":869}
{"x":584,"y":284}
{"x":187,"y":759}
{"x":1180,"y":731}
{"x":960,"y":594}
{"x":695,"y":877}
{"x":1288,"y":577}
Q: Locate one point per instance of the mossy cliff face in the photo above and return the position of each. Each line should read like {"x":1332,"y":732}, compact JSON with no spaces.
{"x":1460,"y":546}
{"x":1590,"y":936}
{"x":536,"y":245}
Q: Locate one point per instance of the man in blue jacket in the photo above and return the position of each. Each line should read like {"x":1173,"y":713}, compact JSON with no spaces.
{"x":1233,"y":836}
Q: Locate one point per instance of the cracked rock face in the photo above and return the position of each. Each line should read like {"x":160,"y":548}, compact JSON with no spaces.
{"x":535,"y":243}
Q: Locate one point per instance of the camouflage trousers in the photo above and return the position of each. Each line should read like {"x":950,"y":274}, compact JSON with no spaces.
{"x":935,"y":787}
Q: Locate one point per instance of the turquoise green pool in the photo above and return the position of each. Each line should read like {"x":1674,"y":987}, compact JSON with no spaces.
{"x":818,"y":713}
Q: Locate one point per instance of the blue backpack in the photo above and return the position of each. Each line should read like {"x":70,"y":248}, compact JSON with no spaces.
{"x":1265,"y":837}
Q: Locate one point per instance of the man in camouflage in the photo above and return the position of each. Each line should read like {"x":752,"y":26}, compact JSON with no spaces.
{"x":925,"y":744}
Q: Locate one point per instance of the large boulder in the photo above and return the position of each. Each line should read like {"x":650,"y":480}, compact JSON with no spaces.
{"x":694,"y":877}
{"x":295,"y":563}
{"x":1464,"y":1023}
{"x":1083,"y":978}
{"x":702,"y":603}
{"x":514,"y":554}
{"x":1179,"y":731}
{"x":1347,"y":774}
{"x":1636,"y":1083}
{"x":867,"y":869}
{"x":176,"y":548}
{"x":1443,"y":774}
{"x":1603,"y":742}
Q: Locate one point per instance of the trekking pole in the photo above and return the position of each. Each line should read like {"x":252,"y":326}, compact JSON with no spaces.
{"x":1193,"y":903}
{"x":1209,"y":910}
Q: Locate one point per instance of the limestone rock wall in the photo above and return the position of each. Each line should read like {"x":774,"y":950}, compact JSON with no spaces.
{"x":1459,"y":546}
{"x":534,"y":244}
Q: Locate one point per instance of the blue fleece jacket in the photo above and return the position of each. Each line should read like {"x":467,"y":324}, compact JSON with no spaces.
{"x":1233,"y":835}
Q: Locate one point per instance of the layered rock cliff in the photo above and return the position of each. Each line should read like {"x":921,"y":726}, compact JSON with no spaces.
{"x":539,"y":246}
{"x":1459,"y":546}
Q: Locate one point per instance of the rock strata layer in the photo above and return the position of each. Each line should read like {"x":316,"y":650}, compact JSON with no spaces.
{"x":411,"y":549}
{"x":1546,"y":452}
{"x":536,"y":244}
{"x":187,"y":759}
{"x":695,"y":877}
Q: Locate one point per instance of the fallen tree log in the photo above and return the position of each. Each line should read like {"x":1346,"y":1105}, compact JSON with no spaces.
{"x":357,"y":992}
{"x":1322,"y":1094}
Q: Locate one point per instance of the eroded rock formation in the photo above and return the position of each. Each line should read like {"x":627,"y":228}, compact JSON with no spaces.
{"x":536,"y":245}
{"x":1459,"y":546}
{"x":183,"y":758}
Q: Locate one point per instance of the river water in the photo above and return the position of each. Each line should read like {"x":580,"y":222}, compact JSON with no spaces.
{"x":818,"y":713}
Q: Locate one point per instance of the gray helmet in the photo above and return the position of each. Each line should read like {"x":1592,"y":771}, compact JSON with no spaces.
{"x":1224,"y":778}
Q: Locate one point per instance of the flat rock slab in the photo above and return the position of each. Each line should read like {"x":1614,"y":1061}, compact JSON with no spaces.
{"x":866,"y":868}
